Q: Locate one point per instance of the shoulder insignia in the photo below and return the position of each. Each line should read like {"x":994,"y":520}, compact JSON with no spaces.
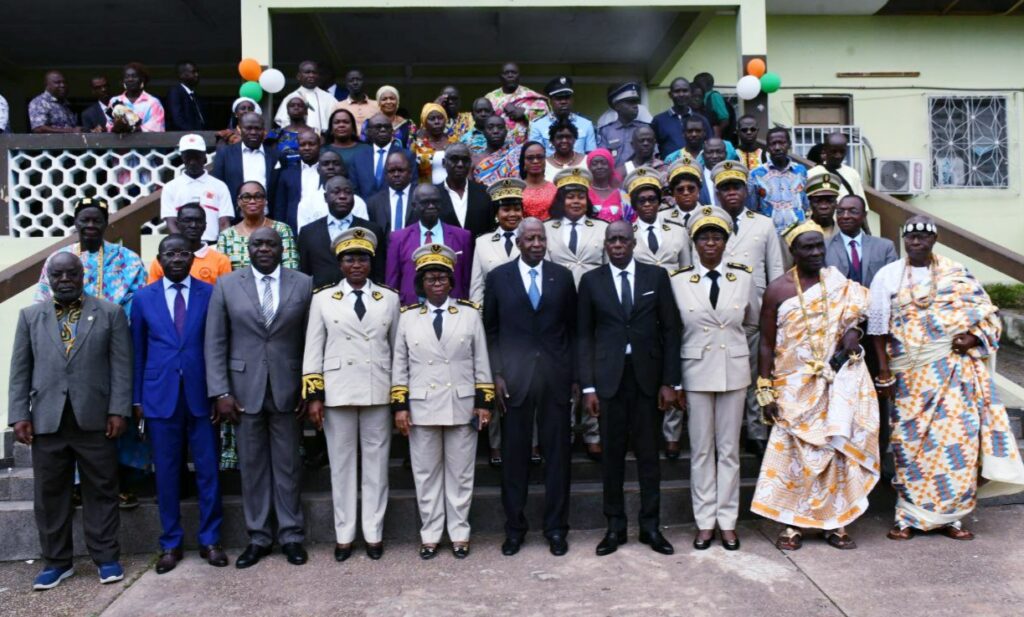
{"x":453,"y":310}
{"x":323,"y":287}
{"x":681,"y":270}
{"x":392,"y":289}
{"x":409,"y":306}
{"x":465,"y":302}
{"x":496,"y":237}
{"x":635,"y":227}
{"x":588,"y":223}
{"x":750,"y":214}
{"x":377,"y":295}
{"x":337,"y":295}
{"x":556,"y":224}
{"x":739,"y":266}
{"x":676,"y":223}
{"x":695,"y":278}
{"x":729,"y":276}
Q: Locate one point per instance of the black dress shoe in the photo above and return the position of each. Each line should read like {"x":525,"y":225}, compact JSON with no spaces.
{"x":595,"y":453}
{"x":168,"y":560}
{"x":460,"y":551}
{"x":733,"y":545}
{"x":610,"y":543}
{"x":375,"y":551}
{"x":511,"y":546}
{"x":702,"y":545}
{"x":214,"y":555}
{"x":251,"y":556}
{"x":295,"y":553}
{"x":558,"y":545}
{"x":657,"y":542}
{"x":756,"y":447}
{"x":341,"y":553}
{"x":672,"y":450}
{"x":427,"y":551}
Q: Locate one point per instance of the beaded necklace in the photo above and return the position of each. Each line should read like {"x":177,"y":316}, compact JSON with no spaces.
{"x":817,"y":363}
{"x":901,"y":320}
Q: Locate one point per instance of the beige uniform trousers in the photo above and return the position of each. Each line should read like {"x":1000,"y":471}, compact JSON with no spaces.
{"x":714,"y":423}
{"x":350,"y":430}
{"x":443,"y":466}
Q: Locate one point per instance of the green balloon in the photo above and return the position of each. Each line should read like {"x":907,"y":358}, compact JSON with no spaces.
{"x":252,"y":90}
{"x":771,"y":82}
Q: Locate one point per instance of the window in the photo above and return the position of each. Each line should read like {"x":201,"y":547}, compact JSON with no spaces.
{"x":815,"y":109}
{"x":968,"y":141}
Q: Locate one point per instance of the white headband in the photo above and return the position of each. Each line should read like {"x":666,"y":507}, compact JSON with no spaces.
{"x":925,"y":227}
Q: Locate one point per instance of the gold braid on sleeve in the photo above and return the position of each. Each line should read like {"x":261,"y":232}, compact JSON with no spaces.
{"x":313,"y":387}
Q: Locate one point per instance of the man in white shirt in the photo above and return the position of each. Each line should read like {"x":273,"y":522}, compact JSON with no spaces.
{"x":194,"y":184}
{"x":313,"y":205}
{"x":835,"y":153}
{"x":390,"y":208}
{"x":319,"y":102}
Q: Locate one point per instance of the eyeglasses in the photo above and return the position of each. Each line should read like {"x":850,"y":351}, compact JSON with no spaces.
{"x":686,"y":189}
{"x":435,"y":279}
{"x":173,"y":254}
{"x":247,"y":197}
{"x":648,"y":199}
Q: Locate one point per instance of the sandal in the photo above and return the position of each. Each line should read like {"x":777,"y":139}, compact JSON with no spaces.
{"x":900,"y":533}
{"x":789,"y":540}
{"x":840,"y":540}
{"x":956,"y":533}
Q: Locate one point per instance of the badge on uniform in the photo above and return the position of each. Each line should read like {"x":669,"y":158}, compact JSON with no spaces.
{"x":337,"y":295}
{"x":695,"y":278}
{"x":377,"y":295}
{"x":729,"y":276}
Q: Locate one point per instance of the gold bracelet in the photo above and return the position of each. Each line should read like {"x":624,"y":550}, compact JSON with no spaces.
{"x":765,"y":382}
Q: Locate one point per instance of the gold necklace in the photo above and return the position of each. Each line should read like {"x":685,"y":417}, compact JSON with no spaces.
{"x":901,"y":320}
{"x":817,"y":363}
{"x":934,"y":287}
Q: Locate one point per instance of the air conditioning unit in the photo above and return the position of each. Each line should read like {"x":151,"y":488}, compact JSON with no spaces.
{"x":899,"y":176}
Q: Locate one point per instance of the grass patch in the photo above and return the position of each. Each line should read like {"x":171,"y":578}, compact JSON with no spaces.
{"x":1007,"y":296}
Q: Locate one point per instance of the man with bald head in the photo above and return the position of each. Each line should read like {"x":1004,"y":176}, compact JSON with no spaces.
{"x":467,"y":204}
{"x":50,"y":112}
{"x":369,"y":164}
{"x":628,"y":341}
{"x":297,"y":179}
{"x":248,"y":160}
{"x":530,"y":343}
{"x":835,"y":154}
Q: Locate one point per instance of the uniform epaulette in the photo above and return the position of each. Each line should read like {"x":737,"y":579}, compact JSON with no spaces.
{"x":385,"y":287}
{"x":465,"y":302}
{"x":323,"y":287}
{"x":556,"y":224}
{"x":676,"y":223}
{"x":739,"y":266}
{"x":681,"y":270}
{"x":409,"y":307}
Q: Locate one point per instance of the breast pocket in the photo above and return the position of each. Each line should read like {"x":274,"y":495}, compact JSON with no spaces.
{"x":332,"y":364}
{"x":236,"y":365}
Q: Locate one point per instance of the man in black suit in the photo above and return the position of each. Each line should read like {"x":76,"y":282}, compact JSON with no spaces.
{"x":185,"y":111}
{"x":393,"y":205}
{"x":530,"y":318}
{"x":369,"y":164}
{"x":247,"y":160}
{"x":465,"y":204}
{"x":628,"y":332}
{"x":316,"y":240}
{"x":94,"y":117}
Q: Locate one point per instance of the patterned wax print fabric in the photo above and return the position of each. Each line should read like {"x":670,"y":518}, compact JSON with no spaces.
{"x":822,"y":458}
{"x":779,"y":193}
{"x":948,"y":428}
{"x":122,"y":274}
{"x":236,"y":246}
{"x":533,"y":103}
{"x":147,"y":107}
{"x":498,"y":165}
{"x":458,"y":126}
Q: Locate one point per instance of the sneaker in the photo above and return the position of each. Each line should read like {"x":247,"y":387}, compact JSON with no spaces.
{"x":110,"y":572}
{"x":51,"y":577}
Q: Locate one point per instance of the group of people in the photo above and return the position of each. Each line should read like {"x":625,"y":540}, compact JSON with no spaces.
{"x":729,"y":299}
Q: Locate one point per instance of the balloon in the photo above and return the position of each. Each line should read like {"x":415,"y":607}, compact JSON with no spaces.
{"x":748,"y":87}
{"x":272,"y":80}
{"x":252,"y":90}
{"x":756,"y":67}
{"x":249,"y":69}
{"x":771,"y":82}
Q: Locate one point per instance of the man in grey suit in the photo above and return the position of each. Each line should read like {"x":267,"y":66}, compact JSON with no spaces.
{"x":70,"y":391}
{"x":255,"y":330}
{"x":851,"y":251}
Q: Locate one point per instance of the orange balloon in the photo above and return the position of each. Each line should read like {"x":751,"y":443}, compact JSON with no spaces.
{"x":249,"y":69}
{"x":756,"y":67}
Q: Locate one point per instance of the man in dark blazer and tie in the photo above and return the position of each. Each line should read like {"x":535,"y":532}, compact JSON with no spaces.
{"x":466,"y":203}
{"x":853,"y":252}
{"x":391,"y":208}
{"x":168,"y":324}
{"x":368,"y":165}
{"x":530,"y":319}
{"x":185,"y":111}
{"x":230,"y":164}
{"x":255,"y":334}
{"x":70,"y":392}
{"x":628,"y":333}
{"x":316,"y":240}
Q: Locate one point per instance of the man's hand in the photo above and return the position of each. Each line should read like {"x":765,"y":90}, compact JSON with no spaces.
{"x":315,"y":409}
{"x":116,"y":426}
{"x":227,"y":410}
{"x":23,"y":432}
{"x":962,"y":343}
{"x":592,"y":405}
{"x":771,"y":412}
{"x":851,"y":341}
{"x":501,"y":393}
{"x":681,"y":400}
{"x":483,"y":418}
{"x":888,"y":392}
{"x":514,"y":111}
{"x":403,"y":422}
{"x":666,"y":398}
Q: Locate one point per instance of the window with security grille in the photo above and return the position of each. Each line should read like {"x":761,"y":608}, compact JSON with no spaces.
{"x":968,"y":141}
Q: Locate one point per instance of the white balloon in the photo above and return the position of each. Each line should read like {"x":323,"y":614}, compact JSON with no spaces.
{"x":272,"y":80}
{"x":747,"y":87}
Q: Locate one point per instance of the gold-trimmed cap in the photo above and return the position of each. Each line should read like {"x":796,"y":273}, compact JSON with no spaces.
{"x":506,"y":188}
{"x":641,"y":177}
{"x":729,"y":171}
{"x":823,"y":184}
{"x":356,"y":239}
{"x":574,"y":176}
{"x":794,"y":231}
{"x":434,"y":255}
{"x":92,"y":202}
{"x":710,"y":216}
{"x":687,"y":168}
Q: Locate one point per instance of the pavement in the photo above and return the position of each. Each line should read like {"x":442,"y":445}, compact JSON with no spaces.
{"x":928,"y":575}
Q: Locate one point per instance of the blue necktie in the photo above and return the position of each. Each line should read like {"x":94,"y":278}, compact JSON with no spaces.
{"x":399,"y":215}
{"x":378,"y":171}
{"x":534,"y":291}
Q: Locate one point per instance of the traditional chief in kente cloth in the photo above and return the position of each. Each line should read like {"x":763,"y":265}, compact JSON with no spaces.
{"x":822,"y":457}
{"x":936,"y":332}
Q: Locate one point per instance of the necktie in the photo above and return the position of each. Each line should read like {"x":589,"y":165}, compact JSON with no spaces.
{"x":652,"y":239}
{"x":360,"y":307}
{"x":735,"y":225}
{"x":713,"y":296}
{"x":179,"y":309}
{"x":534,"y":291}
{"x":399,"y":215}
{"x":267,"y":306}
{"x":573,"y":238}
{"x":437,"y":322}
{"x":378,"y":171}
{"x":686,"y":219}
{"x":508,"y":242}
{"x":627,"y":294}
{"x":428,"y":237}
{"x":854,"y":261}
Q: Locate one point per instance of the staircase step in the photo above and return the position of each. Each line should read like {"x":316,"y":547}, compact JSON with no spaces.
{"x":16,"y":484}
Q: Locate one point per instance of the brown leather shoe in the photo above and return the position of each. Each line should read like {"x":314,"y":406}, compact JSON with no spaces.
{"x":214,"y":555}
{"x":672,"y":450}
{"x":168,"y":560}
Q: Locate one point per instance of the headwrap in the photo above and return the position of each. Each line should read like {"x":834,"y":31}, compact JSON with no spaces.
{"x":606,"y":155}
{"x":386,"y":89}
{"x":431,"y":107}
{"x":245,"y":99}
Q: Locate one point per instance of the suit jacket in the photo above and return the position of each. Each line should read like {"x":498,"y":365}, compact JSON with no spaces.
{"x":182,"y":113}
{"x":351,"y":355}
{"x":674,"y":249}
{"x":400,"y":271}
{"x":479,"y":213}
{"x":523,"y":340}
{"x":96,"y":376}
{"x":756,"y":245}
{"x":94,"y":115}
{"x":379,"y":210}
{"x":287,"y":193}
{"x":589,"y":248}
{"x":603,"y":331}
{"x":716,"y":356}
{"x":875,"y":253}
{"x":164,"y":362}
{"x":362,"y":167}
{"x":488,"y":254}
{"x":227,"y":167}
{"x":242,"y":353}
{"x":317,"y":260}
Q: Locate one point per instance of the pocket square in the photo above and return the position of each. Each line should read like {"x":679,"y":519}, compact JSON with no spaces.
{"x":647,"y":293}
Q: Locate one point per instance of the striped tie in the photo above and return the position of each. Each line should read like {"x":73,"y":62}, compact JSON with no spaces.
{"x":267,"y":307}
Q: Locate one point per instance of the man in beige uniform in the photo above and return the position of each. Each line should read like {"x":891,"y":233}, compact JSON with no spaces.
{"x":684,"y":188}
{"x":755,"y":244}
{"x":347,"y":368}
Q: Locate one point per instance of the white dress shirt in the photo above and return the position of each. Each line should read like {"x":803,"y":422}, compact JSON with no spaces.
{"x":211,"y":193}
{"x":171,"y":294}
{"x":275,"y":285}
{"x":310,"y":178}
{"x":314,"y":206}
{"x":378,"y":154}
{"x":459,"y":202}
{"x":643,"y":228}
{"x":254,"y":165}
{"x":710,"y":183}
{"x":567,"y":230}
{"x":431,"y":307}
{"x":524,"y":272}
{"x":859,"y":240}
{"x":320,"y":102}
{"x":393,"y":194}
{"x":705,"y":281}
{"x":335,"y":225}
{"x":630,"y":269}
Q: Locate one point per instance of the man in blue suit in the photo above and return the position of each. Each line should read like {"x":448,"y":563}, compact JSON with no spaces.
{"x":247,"y":160}
{"x":168,"y":326}
{"x":368,"y":164}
